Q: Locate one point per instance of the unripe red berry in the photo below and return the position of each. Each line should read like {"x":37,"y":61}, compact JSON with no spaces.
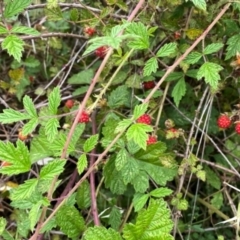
{"x":237,"y":128}
{"x":149,"y":85}
{"x":101,"y":52}
{"x":69,"y":103}
{"x":145,"y":118}
{"x":224,"y":121}
{"x":89,"y":30}
{"x":151,"y":140}
{"x":84,"y":118}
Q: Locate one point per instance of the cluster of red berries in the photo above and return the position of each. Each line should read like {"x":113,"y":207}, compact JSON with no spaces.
{"x":89,"y":31}
{"x":84,"y":118}
{"x":146,"y":119}
{"x":101,"y":52}
{"x":224,"y":122}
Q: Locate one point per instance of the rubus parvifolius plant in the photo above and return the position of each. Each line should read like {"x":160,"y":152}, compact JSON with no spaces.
{"x":126,"y":159}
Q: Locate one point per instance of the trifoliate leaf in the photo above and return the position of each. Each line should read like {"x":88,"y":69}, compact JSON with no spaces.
{"x":167,"y":49}
{"x":14,"y":46}
{"x":179,"y":91}
{"x":210,"y":73}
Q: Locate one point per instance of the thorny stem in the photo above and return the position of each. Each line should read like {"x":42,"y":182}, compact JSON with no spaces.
{"x":80,"y":110}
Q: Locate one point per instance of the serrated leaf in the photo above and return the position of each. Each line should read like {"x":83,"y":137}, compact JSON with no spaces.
{"x":201,"y":4}
{"x":123,"y":125}
{"x":90,"y":143}
{"x":179,"y":91}
{"x":51,"y":128}
{"x":121,"y":159}
{"x":25,"y":30}
{"x":29,"y":106}
{"x":210,"y":73}
{"x":3,"y":223}
{"x":54,"y":100}
{"x":193,"y":58}
{"x":34,"y":214}
{"x":141,"y":182}
{"x":118,"y":97}
{"x":54,"y":14}
{"x":83,"y":196}
{"x":217,"y":200}
{"x":138,"y":133}
{"x":83,"y":77}
{"x":70,"y":221}
{"x":214,"y":47}
{"x":150,"y":67}
{"x":24,"y":190}
{"x":233,"y":46}
{"x":31,"y":62}
{"x":52,"y":169}
{"x":82,"y":163}
{"x":115,"y":218}
{"x":161,"y":192}
{"x":14,"y":46}
{"x":97,"y":232}
{"x":212,"y":178}
{"x":139,"y":200}
{"x":139,"y":110}
{"x":14,"y":7}
{"x":116,"y":29}
{"x":30,"y":126}
{"x":11,"y":116}
{"x":3,"y":30}
{"x":167,"y":49}
{"x":151,"y":223}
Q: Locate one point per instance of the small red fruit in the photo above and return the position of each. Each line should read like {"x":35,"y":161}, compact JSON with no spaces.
{"x":151,"y":140}
{"x":224,"y":121}
{"x":89,"y":30}
{"x":177,"y":35}
{"x":145,"y":118}
{"x":237,"y":128}
{"x":31,"y":78}
{"x":101,"y":52}
{"x":84,"y":117}
{"x":149,"y":85}
{"x":69,"y":103}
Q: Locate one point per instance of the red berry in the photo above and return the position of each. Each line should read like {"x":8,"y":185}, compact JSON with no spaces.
{"x":69,"y":103}
{"x":90,"y":31}
{"x":224,"y":121}
{"x":84,"y":117}
{"x":177,"y":35}
{"x":151,"y":140}
{"x":101,"y":52}
{"x":31,"y":78}
{"x":145,"y":118}
{"x":149,"y":85}
{"x":237,"y":128}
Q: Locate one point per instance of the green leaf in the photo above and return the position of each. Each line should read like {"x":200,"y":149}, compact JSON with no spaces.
{"x":139,"y":110}
{"x":90,"y":143}
{"x":212,"y":48}
{"x":201,"y":4}
{"x":83,"y":196}
{"x":193,"y":58}
{"x":138,"y":133}
{"x":212,"y":178}
{"x":210,"y":73}
{"x":82,"y":163}
{"x":167,"y":49}
{"x":141,"y":182}
{"x":14,"y":46}
{"x":14,"y":7}
{"x":83,"y":77}
{"x":34,"y":214}
{"x":30,"y":126}
{"x":51,"y":129}
{"x":22,"y":222}
{"x":11,"y":116}
{"x":3,"y":223}
{"x":24,"y":190}
{"x":25,"y":30}
{"x":161,"y":192}
{"x":139,"y":200}
{"x":54,"y":14}
{"x":97,"y":232}
{"x":217,"y":200}
{"x":54,"y":100}
{"x":121,"y":159}
{"x":118,"y":97}
{"x":179,"y":91}
{"x":29,"y":106}
{"x":151,"y":223}
{"x":123,"y":125}
{"x":3,"y":30}
{"x":70,"y":221}
{"x":31,"y":62}
{"x":118,"y":28}
{"x":150,"y":67}
{"x":233,"y":46}
{"x":52,"y":169}
{"x":115,"y":218}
